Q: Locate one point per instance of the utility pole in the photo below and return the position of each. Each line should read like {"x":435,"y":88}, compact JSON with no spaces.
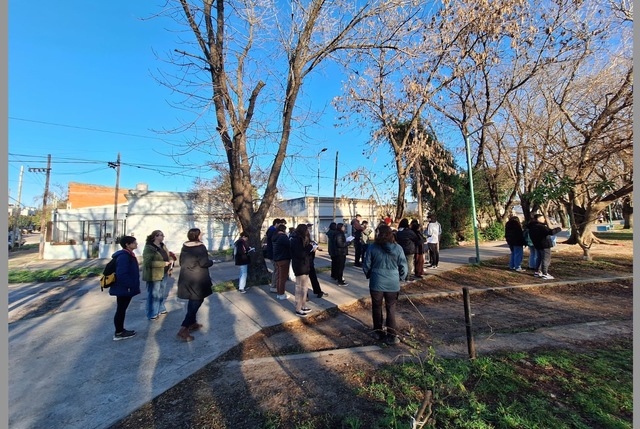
{"x":116,"y":166}
{"x":335,"y":187}
{"x":17,"y":212}
{"x":43,"y":218}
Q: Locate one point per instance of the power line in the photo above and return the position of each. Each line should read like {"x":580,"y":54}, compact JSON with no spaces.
{"x":89,"y":129}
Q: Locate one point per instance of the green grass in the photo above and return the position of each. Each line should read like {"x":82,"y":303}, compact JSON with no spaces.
{"x":557,"y":388}
{"x":614,"y":235}
{"x":36,"y":276}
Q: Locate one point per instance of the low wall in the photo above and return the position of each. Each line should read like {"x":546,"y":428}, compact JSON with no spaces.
{"x":66,"y":251}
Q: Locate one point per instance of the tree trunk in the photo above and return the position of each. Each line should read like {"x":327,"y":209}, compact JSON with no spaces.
{"x":627,"y":213}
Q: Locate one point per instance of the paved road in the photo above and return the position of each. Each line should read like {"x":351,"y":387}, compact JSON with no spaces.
{"x":65,"y":371}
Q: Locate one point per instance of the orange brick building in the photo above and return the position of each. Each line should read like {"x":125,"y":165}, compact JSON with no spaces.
{"x":85,"y":195}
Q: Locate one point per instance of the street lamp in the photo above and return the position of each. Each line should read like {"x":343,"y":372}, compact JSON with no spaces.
{"x":473,"y":199}
{"x":317,"y":228}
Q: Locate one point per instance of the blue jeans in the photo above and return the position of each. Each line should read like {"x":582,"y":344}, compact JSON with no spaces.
{"x":192,"y":309}
{"x":517,"y":253}
{"x":155,"y":297}
{"x":533,"y":258}
{"x":242,"y":282}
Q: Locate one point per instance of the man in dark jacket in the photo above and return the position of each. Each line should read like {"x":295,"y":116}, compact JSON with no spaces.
{"x":408,"y":240}
{"x":515,"y":240}
{"x":282,"y":259}
{"x":356,"y":231}
{"x":331,"y":244}
{"x":540,"y":235}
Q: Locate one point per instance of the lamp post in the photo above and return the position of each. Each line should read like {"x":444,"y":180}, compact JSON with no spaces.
{"x":473,"y":199}
{"x":317,"y":228}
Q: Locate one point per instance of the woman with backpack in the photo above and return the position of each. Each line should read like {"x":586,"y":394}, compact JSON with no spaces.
{"x":126,"y":286}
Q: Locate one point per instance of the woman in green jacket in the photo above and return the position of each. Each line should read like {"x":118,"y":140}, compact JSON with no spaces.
{"x":157,"y":260}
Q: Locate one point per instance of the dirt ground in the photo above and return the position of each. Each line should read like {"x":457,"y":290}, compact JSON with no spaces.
{"x":304,"y":374}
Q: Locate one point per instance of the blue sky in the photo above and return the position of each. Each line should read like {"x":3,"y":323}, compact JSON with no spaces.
{"x":80,"y":89}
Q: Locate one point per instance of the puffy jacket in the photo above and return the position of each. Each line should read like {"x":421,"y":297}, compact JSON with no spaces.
{"x":271,"y":231}
{"x":408,"y":240}
{"x":301,"y":256}
{"x":538,"y":232}
{"x":194,"y":281}
{"x":385,"y":265}
{"x":340,"y":243}
{"x":513,"y":233}
{"x":127,"y":274}
{"x":281,"y":247}
{"x":153,"y":263}
{"x":331,"y":242}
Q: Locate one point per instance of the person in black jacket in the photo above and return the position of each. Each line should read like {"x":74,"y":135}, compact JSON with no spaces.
{"x":282,"y":259}
{"x":241,"y":252}
{"x":194,"y":281}
{"x":331,"y":244}
{"x":313,"y":275}
{"x":301,"y":249}
{"x":540,"y":235}
{"x":408,"y":240}
{"x":341,"y":247}
{"x":515,"y":240}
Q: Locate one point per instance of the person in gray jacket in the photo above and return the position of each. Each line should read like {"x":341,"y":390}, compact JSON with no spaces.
{"x":385,"y":265}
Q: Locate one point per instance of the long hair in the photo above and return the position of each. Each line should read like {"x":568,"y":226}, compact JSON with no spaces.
{"x":385,"y":235}
{"x":194,"y":234}
{"x":302,"y":231}
{"x":152,"y":236}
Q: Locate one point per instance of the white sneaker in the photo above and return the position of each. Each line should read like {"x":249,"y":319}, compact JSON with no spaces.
{"x":537,"y":274}
{"x":274,"y":290}
{"x":283,"y":296}
{"x":519,"y":269}
{"x":547,"y":277}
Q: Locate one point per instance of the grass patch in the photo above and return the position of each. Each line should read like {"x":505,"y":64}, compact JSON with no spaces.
{"x":37,"y":276}
{"x":225,"y":286}
{"x":614,"y":235}
{"x":552,"y":388}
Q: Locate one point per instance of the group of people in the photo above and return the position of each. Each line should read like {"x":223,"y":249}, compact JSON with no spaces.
{"x":538,"y":237}
{"x":194,"y":281}
{"x":294,"y":250}
{"x":386,"y":256}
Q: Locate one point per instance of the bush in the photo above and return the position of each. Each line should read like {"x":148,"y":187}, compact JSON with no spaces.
{"x":494,"y":231}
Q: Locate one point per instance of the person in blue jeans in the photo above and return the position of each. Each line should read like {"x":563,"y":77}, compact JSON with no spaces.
{"x":241,"y":252}
{"x":533,"y":252}
{"x":157,"y":260}
{"x":515,"y":239}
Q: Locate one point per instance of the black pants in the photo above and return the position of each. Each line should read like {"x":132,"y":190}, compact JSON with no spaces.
{"x":313,"y":277}
{"x":334,"y":266}
{"x":121,"y":309}
{"x":390,"y":299}
{"x":357,"y":244}
{"x":341,"y":260}
{"x":434,"y":253}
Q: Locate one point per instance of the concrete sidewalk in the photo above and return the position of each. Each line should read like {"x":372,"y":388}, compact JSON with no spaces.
{"x":65,"y":371}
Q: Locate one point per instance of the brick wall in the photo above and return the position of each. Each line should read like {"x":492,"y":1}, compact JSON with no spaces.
{"x":85,"y":195}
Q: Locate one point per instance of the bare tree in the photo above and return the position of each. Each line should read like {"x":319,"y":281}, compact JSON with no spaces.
{"x":247,"y":66}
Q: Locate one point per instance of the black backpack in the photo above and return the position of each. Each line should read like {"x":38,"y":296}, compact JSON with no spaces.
{"x":108,"y":274}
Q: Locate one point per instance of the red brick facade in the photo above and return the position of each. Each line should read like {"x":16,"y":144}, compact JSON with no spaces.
{"x":85,"y":195}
